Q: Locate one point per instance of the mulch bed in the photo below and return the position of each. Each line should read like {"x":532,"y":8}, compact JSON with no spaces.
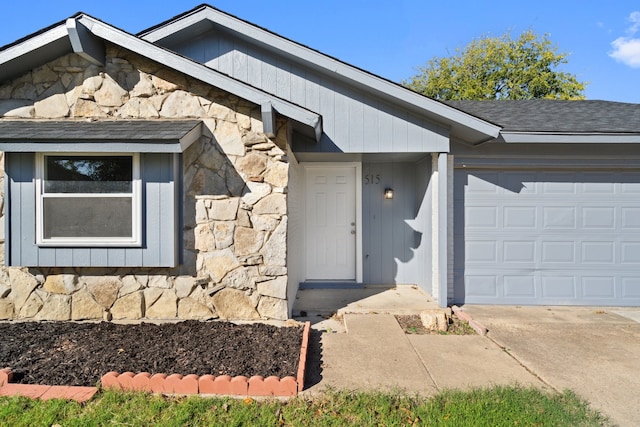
{"x":67,"y":353}
{"x":411,"y":324}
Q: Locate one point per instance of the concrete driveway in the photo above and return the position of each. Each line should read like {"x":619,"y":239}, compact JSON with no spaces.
{"x":593,"y":351}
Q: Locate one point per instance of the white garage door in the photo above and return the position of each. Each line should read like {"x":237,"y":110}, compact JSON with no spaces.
{"x":547,"y":237}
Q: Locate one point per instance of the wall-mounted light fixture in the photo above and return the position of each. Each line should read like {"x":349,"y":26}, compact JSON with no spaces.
{"x":388,"y":193}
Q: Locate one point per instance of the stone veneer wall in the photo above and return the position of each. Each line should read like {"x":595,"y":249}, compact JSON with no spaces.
{"x":235,"y":200}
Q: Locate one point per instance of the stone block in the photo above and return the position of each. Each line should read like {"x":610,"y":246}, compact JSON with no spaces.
{"x":225,"y":209}
{"x":182,"y":104}
{"x":151,"y":295}
{"x":160,"y":281}
{"x":276,"y":288}
{"x":277,"y":174}
{"x":252,"y":164}
{"x":247,"y":241}
{"x":52,"y":107}
{"x":273,"y":270}
{"x":274,"y":251}
{"x":239,"y":279}
{"x":7,"y":309}
{"x":204,"y":239}
{"x":273,"y":308}
{"x":110,"y":94}
{"x":129,"y":306}
{"x":435,"y":320}
{"x":55,"y":307}
{"x":254,"y":192}
{"x":184,"y":285}
{"x":218,"y":263}
{"x":223,"y":232}
{"x":228,"y":137}
{"x":84,"y":307}
{"x":189,"y":308}
{"x":234,"y":304}
{"x":271,"y":204}
{"x":129,"y":285}
{"x":30,"y":307}
{"x":264,"y":222}
{"x":165,"y":307}
{"x":65,"y":284}
{"x":104,"y":289}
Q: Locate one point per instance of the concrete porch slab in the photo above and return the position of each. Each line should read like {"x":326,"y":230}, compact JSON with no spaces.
{"x":322,"y":306}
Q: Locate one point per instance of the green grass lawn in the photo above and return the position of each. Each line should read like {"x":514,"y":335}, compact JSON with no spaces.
{"x":498,"y":406}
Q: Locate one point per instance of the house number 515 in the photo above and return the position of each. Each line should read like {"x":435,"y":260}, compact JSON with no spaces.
{"x":372,"y":179}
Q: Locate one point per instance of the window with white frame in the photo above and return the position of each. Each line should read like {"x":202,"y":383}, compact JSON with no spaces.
{"x":88,"y":199}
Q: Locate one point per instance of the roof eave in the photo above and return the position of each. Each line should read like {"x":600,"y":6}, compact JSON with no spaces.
{"x":463,"y":125}
{"x":512,"y":137}
{"x":86,"y":35}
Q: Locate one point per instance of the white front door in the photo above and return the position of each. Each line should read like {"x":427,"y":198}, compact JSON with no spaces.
{"x":331,"y":222}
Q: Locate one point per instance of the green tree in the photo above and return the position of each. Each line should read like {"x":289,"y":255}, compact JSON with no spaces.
{"x":499,"y":68}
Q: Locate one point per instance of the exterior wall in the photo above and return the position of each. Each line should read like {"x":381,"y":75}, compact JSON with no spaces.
{"x":395,"y":232}
{"x":160,"y":234}
{"x":354,"y":121}
{"x":234,"y":207}
{"x":296,"y":234}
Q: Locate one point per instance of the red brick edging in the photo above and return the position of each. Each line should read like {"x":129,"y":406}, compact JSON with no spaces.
{"x":477,"y":326}
{"x":170,"y":384}
{"x":210,"y":384}
{"x":44,"y":392}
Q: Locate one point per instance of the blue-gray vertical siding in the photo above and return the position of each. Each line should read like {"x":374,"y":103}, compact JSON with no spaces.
{"x":395,"y":236}
{"x":159,"y":222}
{"x":354,"y":121}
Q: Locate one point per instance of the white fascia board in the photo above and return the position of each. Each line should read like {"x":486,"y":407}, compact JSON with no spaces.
{"x":92,"y":147}
{"x":568,"y":138}
{"x":355,"y":76}
{"x":201,"y":72}
{"x":38,"y":41}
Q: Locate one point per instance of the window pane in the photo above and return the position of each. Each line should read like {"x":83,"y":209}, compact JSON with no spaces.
{"x":87,"y":217}
{"x":88,"y":174}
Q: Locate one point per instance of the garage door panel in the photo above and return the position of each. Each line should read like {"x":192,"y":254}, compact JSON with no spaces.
{"x":558,"y":287}
{"x":630,"y":218}
{"x":482,"y":286}
{"x":547,"y":237}
{"x":598,"y":217}
{"x":630,"y":288}
{"x":598,"y":252}
{"x":519,"y":286}
{"x":520,"y":217}
{"x":482,"y":251}
{"x":558,"y":217}
{"x":630,"y":252}
{"x":598,"y":287}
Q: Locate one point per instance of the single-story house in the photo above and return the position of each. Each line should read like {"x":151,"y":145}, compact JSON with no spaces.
{"x":206,"y":167}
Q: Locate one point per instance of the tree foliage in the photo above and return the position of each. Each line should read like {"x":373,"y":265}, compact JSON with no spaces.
{"x":499,"y":68}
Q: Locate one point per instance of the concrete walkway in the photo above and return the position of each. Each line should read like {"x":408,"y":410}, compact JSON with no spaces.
{"x":375,"y":354}
{"x":594,"y":351}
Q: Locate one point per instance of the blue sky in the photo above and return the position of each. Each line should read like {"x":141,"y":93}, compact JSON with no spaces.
{"x":392,"y":38}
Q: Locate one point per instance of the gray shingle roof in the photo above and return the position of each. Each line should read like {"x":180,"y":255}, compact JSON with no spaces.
{"x":555,"y":116}
{"x":158,"y":131}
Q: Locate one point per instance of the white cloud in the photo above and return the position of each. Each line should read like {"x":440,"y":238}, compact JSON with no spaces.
{"x":627,"y":49}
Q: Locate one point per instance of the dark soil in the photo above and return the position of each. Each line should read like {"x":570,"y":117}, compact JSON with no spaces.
{"x":67,"y":353}
{"x":411,"y":324}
